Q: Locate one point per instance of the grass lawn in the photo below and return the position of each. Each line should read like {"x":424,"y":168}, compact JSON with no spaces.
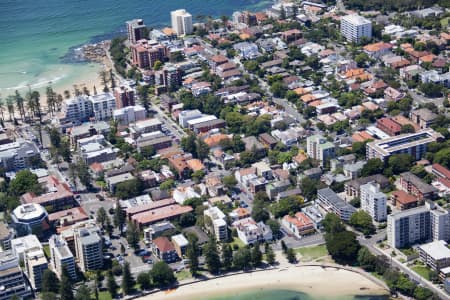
{"x":422,"y":271}
{"x":47,"y":251}
{"x":103,"y":296}
{"x":185,"y":274}
{"x":312,"y":253}
{"x":444,"y":22}
{"x":238,"y":242}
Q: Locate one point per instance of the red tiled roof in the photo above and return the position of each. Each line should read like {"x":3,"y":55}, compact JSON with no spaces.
{"x":403,"y":197}
{"x":163,"y":244}
{"x":72,"y":215}
{"x":159,"y":214}
{"x":442,"y":170}
{"x":300,"y":220}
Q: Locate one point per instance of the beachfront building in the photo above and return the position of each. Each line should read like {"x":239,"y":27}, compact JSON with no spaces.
{"x":319,"y":148}
{"x":332,"y":203}
{"x":164,"y":249}
{"x":76,"y":110}
{"x":181,"y":22}
{"x":136,"y":30}
{"x":61,"y":257}
{"x":250,"y":232}
{"x":354,"y":27}
{"x":414,"y":144}
{"x":218,"y":224}
{"x":423,"y":223}
{"x":299,"y":225}
{"x":435,"y":255}
{"x":373,"y":201}
{"x":103,"y":106}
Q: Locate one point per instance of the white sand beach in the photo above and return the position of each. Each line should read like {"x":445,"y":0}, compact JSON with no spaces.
{"x":313,"y":280}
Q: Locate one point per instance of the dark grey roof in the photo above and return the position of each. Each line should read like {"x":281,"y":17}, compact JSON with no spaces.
{"x":334,"y":199}
{"x":423,"y":187}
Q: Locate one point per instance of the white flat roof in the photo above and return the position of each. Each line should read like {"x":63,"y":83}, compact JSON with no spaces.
{"x":437,"y":250}
{"x":356,"y":19}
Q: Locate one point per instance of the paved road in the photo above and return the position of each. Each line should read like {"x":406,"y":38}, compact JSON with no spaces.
{"x":370,"y":244}
{"x":287,"y":106}
{"x":169,"y":123}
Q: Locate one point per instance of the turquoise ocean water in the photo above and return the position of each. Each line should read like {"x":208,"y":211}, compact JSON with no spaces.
{"x":36,"y":35}
{"x":288,"y":295}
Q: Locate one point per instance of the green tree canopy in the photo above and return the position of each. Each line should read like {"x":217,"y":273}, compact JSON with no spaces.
{"x":162,"y":275}
{"x":362,"y":221}
{"x":24,"y":182}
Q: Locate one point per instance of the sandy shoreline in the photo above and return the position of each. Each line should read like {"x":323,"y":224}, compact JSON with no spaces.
{"x":313,"y":280}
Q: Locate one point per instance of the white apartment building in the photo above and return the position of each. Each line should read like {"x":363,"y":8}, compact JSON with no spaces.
{"x":61,"y":257}
{"x":77,"y":109}
{"x":88,"y":246}
{"x":35,"y":265}
{"x":21,"y":245}
{"x":414,"y":144}
{"x":354,"y":27}
{"x":103,"y":106}
{"x":129,"y":114}
{"x":250,"y":232}
{"x":187,"y":115}
{"x":319,"y":148}
{"x":373,"y":201}
{"x":423,"y":223}
{"x":181,"y":22}
{"x":219,"y":225}
{"x":440,"y":224}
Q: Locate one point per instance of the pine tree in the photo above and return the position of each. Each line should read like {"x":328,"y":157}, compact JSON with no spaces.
{"x":111,"y":284}
{"x":65,"y":288}
{"x":212,"y":258}
{"x":127,"y":280}
{"x":119,"y":217}
{"x":101,"y":216}
{"x":133,"y":235}
{"x":192,"y":254}
{"x":256,"y":255}
{"x":227,"y":256}
{"x":270,"y":255}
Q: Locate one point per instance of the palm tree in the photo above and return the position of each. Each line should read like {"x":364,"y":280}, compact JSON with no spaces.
{"x":30,"y":104}
{"x":10,"y":106}
{"x":19,"y":103}
{"x":104,"y":79}
{"x":76,"y":90}
{"x":2,"y":106}
{"x":51,"y":99}
{"x":86,"y":91}
{"x":67,"y":94}
{"x":59,"y":101}
{"x":111,"y":77}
